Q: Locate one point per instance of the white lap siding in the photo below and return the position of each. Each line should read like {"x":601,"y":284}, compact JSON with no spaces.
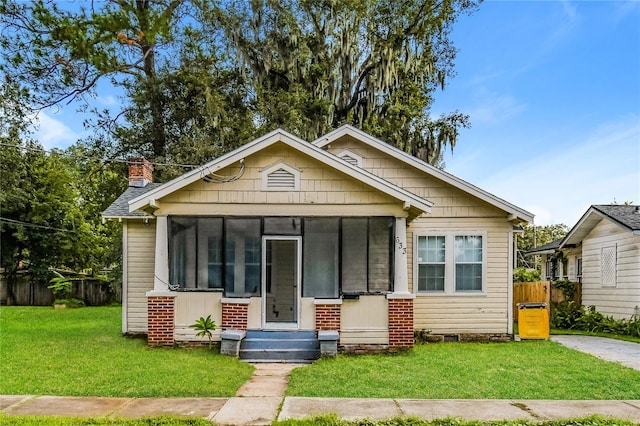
{"x":622,"y":299}
{"x":140,"y":241}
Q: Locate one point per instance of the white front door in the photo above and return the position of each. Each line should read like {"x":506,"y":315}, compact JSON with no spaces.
{"x":281,"y":271}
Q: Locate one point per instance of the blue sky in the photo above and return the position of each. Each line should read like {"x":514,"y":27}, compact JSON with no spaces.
{"x":553,"y":92}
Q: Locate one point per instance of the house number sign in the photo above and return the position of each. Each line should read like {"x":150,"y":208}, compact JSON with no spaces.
{"x":401,"y":246}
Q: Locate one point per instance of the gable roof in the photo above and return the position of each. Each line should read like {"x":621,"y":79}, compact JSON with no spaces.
{"x":512,"y":210}
{"x":627,"y":217}
{"x":119,"y":209}
{"x":411,"y":201}
{"x":548,"y":248}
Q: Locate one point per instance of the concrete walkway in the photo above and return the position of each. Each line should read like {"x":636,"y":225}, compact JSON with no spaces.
{"x":625,"y":353}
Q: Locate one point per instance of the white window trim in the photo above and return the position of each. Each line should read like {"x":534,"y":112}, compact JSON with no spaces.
{"x":352,"y":155}
{"x":277,"y":166}
{"x":449,"y":279}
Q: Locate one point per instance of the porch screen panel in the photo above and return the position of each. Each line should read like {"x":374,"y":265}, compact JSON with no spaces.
{"x":354,"y":255}
{"x":320,"y":258}
{"x":182,"y":252}
{"x":210,"y":255}
{"x":242,"y":257}
{"x":380,"y":261}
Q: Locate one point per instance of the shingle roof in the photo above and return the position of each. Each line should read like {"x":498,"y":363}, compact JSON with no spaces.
{"x":120,"y":207}
{"x":546,"y":248}
{"x":628,"y":216}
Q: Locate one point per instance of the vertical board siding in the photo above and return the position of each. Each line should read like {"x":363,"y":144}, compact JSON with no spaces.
{"x":623,"y":299}
{"x":141,"y":245}
{"x":189,"y":306}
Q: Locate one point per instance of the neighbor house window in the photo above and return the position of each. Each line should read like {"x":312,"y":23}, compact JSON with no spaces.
{"x":579,"y":269}
{"x":450,"y":263}
{"x":608,"y":266}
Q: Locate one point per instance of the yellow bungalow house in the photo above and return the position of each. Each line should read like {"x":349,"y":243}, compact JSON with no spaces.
{"x":345,"y":234}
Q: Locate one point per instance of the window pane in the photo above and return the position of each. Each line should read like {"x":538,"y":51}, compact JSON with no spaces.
{"x":243,"y":256}
{"x":468,"y":248}
{"x":469,"y":277}
{"x":282,"y":225}
{"x":210,"y":253}
{"x":380,"y":232}
{"x":320,"y":258}
{"x":354,"y":255}
{"x":431,"y":277}
{"x":182,"y":252}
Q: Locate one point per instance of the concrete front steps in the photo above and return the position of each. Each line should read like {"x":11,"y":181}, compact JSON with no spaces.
{"x":280,"y":346}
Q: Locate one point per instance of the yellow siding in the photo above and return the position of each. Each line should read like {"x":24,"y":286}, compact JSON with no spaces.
{"x":322,"y":191}
{"x":141,"y":245}
{"x":623,"y":300}
{"x":364,"y":321}
{"x":448,"y":201}
{"x":191,"y":306}
{"x":459,"y":313}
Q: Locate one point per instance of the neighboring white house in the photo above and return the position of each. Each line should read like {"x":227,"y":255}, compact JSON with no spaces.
{"x":604,"y":249}
{"x":346,"y":233}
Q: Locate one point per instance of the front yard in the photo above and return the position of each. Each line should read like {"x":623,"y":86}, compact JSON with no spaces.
{"x":82,"y":352}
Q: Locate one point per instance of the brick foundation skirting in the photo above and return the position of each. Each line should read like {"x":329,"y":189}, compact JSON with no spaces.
{"x":234,"y":316}
{"x":328,"y":317}
{"x":160,"y":317}
{"x":400,"y":323}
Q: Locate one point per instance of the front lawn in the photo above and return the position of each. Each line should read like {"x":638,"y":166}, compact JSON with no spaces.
{"x":516,"y":370}
{"x":82,"y":352}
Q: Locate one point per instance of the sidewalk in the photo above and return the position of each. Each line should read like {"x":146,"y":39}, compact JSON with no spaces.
{"x":262,"y":410}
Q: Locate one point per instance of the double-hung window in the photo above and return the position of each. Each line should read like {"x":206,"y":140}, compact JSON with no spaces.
{"x":450,"y":262}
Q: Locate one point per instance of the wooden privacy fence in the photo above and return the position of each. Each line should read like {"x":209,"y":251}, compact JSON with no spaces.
{"x":31,"y":292}
{"x":535,"y":292}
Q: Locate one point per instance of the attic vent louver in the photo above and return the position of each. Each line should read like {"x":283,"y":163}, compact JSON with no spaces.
{"x":349,"y":159}
{"x":281,"y":179}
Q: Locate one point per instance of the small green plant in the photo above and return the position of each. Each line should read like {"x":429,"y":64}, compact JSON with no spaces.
{"x":524,"y":275}
{"x":205,"y":327}
{"x":61,"y":287}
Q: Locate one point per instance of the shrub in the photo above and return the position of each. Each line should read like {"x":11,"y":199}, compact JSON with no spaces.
{"x":569,"y":315}
{"x":524,"y":275}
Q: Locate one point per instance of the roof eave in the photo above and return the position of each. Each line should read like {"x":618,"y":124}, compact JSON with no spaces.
{"x":512,"y":210}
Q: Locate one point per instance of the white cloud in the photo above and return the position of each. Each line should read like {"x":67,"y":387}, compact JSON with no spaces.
{"x":107,"y":100}
{"x":561,"y":183}
{"x":494,"y":109}
{"x":53,"y":133}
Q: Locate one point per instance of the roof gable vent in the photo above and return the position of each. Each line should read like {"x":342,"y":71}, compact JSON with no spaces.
{"x":351,"y":158}
{"x":280,"y":177}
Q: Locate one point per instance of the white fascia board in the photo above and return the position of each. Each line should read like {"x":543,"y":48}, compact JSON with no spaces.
{"x":211,"y":167}
{"x":425,"y":167}
{"x":361,"y":175}
{"x":296,"y":143}
{"x":587,"y":222}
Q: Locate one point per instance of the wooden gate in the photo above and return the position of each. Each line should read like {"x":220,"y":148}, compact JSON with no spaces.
{"x":535,"y":292}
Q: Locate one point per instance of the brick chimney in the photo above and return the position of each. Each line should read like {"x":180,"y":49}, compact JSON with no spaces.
{"x":140,"y":172}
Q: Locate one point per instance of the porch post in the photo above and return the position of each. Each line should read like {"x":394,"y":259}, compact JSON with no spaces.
{"x":400,"y":301}
{"x":400,"y":277}
{"x":160,"y":301}
{"x":161,"y":275}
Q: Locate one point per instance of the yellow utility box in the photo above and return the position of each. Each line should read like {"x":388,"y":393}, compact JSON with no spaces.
{"x":533,"y":321}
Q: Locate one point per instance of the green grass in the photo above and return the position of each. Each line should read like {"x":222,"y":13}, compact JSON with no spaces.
{"x":81,"y":352}
{"x":332,"y":420}
{"x":516,"y":370}
{"x":76,"y":421}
